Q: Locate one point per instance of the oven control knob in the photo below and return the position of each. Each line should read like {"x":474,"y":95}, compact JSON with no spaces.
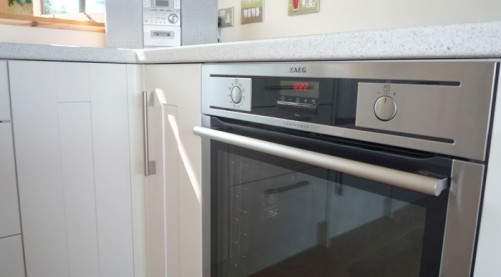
{"x":236,"y":94}
{"x":385,"y":108}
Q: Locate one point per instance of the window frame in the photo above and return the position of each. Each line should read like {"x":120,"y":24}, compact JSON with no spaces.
{"x":46,"y":22}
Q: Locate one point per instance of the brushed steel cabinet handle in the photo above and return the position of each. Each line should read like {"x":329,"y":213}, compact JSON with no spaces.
{"x":145,"y":135}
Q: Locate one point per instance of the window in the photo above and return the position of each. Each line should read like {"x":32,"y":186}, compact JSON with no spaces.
{"x":67,"y":14}
{"x":83,"y":10}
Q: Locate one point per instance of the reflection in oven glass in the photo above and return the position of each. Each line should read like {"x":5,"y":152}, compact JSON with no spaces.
{"x":299,"y":220}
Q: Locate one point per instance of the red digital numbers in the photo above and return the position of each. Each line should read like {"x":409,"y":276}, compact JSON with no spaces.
{"x":301,"y":86}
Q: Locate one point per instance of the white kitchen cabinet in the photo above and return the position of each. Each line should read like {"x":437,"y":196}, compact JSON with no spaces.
{"x":173,"y":193}
{"x":72,"y":152}
{"x":9,"y":208}
{"x":11,"y":257}
{"x":4,"y":92}
{"x":11,"y":250}
{"x":489,"y":241}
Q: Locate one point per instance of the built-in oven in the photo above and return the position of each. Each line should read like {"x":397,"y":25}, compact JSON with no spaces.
{"x":344,"y":168}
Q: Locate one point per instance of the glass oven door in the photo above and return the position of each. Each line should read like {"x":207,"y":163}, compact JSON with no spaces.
{"x":348,"y":210}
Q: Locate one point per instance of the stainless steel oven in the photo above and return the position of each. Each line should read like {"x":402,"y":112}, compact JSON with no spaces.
{"x":343,"y":169}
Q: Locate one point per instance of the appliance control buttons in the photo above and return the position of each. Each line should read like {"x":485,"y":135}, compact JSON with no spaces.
{"x":385,"y":108}
{"x":236,"y":94}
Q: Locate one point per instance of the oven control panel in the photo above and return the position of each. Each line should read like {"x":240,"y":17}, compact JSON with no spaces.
{"x":233,"y":94}
{"x":438,"y":106}
{"x":407,"y":108}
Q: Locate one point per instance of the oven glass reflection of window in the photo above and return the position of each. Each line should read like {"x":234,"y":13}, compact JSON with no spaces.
{"x":304,"y":221}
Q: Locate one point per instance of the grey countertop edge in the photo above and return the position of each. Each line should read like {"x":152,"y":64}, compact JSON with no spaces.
{"x":472,"y":40}
{"x":39,"y":52}
{"x":461,"y":41}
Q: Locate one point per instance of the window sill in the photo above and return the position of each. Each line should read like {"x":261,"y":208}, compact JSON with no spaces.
{"x":49,"y":22}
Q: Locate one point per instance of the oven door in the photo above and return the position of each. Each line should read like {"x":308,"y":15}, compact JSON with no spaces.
{"x":283,"y":203}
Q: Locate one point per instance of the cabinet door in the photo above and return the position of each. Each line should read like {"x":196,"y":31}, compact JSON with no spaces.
{"x":9,"y":209}
{"x":71,"y":139}
{"x":173,"y":194}
{"x":11,"y":257}
{"x":4,"y":92}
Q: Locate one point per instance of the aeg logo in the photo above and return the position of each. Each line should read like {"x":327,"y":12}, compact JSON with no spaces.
{"x":297,"y":69}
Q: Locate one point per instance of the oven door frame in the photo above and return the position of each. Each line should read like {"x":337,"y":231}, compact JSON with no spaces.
{"x":460,"y":234}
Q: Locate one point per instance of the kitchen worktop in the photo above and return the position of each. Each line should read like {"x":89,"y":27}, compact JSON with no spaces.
{"x":474,"y":40}
{"x":481,"y":40}
{"x":17,"y":51}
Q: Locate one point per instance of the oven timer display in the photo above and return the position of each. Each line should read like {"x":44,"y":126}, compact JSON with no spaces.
{"x":303,"y":89}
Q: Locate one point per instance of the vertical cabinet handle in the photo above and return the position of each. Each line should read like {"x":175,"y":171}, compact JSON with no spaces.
{"x":155,"y":99}
{"x":145,"y":135}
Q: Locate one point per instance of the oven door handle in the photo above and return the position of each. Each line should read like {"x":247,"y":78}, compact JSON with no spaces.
{"x":415,"y":182}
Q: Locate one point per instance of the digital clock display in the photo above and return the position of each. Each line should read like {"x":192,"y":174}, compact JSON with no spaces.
{"x":306,"y":89}
{"x":301,"y":86}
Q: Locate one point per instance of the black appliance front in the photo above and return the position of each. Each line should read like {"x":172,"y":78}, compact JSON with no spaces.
{"x":272,"y":216}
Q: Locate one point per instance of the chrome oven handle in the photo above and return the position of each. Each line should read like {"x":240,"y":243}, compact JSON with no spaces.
{"x":397,"y":178}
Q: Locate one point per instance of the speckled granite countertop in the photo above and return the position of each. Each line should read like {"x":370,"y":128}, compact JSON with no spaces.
{"x":480,"y":40}
{"x":17,"y":51}
{"x":475,"y":40}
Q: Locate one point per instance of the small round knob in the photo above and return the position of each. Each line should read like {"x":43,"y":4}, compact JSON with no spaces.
{"x":385,"y":108}
{"x":173,"y":18}
{"x":236,"y":94}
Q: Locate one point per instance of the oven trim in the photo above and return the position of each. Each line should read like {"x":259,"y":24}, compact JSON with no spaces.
{"x":463,"y":213}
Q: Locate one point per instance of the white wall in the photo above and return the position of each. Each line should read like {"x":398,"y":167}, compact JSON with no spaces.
{"x":19,"y":34}
{"x":355,"y":15}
